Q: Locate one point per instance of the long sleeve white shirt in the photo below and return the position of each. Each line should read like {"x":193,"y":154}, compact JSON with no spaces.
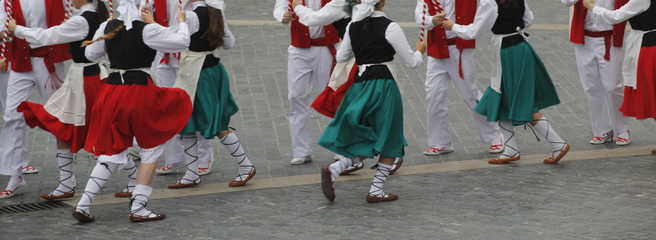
{"x":590,"y":23}
{"x":74,"y":29}
{"x":154,"y":36}
{"x":282,"y":6}
{"x":394,"y":36}
{"x":331,"y":12}
{"x":194,"y":24}
{"x":630,"y":9}
{"x":449,"y":7}
{"x":34,"y":12}
{"x":486,"y":16}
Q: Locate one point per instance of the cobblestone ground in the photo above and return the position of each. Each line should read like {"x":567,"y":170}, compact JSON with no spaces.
{"x":610,"y":198}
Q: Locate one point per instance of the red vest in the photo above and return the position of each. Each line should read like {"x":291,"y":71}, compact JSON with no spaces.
{"x":20,"y":59}
{"x":436,"y":38}
{"x":161,"y":13}
{"x":301,"y":33}
{"x":578,"y":23}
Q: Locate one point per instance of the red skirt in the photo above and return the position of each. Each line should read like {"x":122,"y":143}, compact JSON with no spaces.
{"x":37,"y":116}
{"x":329,"y":100}
{"x":151,"y":114}
{"x":641,"y":102}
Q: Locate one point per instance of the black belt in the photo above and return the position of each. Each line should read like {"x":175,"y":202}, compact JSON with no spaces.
{"x":129,"y":77}
{"x":210,"y":61}
{"x":91,"y":70}
{"x":649,"y":39}
{"x":374,"y":72}
{"x":512,"y":40}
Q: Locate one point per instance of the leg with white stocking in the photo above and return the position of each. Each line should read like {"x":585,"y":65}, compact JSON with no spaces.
{"x":99,"y":176}
{"x":510,"y":152}
{"x":191,"y":177}
{"x":138,"y":203}
{"x":246,"y":168}
{"x":376,"y":193}
{"x":65,"y":188}
{"x":16,"y":184}
{"x":330,"y":173}
{"x":560,"y":147}
{"x":131,"y":169}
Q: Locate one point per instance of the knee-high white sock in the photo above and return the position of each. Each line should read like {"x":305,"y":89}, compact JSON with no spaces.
{"x":131,"y":168}
{"x":509,"y":139}
{"x":544,"y":128}
{"x":231,"y":142}
{"x":338,"y":166}
{"x":65,"y":159}
{"x":382,"y":171}
{"x":15,"y":180}
{"x":190,"y":144}
{"x":139,"y":201}
{"x":99,"y":176}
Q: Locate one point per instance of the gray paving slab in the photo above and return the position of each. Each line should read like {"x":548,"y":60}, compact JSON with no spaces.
{"x":592,"y":199}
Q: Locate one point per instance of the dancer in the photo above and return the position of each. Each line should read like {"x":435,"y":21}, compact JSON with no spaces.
{"x":451,"y":60}
{"x":165,"y":68}
{"x":66,"y":114}
{"x":369,"y":120}
{"x":598,"y":46}
{"x":131,"y":106}
{"x":311,"y":54}
{"x":639,"y":57}
{"x":33,"y":66}
{"x":329,"y":100}
{"x":206,"y":80}
{"x":520,"y":84}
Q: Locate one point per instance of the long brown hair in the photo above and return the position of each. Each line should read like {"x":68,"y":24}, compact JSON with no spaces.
{"x":215,"y":33}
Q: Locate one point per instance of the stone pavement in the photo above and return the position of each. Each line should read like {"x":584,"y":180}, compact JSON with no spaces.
{"x":607,"y":195}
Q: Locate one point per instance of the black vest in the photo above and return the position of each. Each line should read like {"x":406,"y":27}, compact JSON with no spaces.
{"x":646,"y":20}
{"x":127,"y":49}
{"x":510,"y":17}
{"x":197,"y":43}
{"x":340,"y":26}
{"x":76,"y":51}
{"x":370,"y":46}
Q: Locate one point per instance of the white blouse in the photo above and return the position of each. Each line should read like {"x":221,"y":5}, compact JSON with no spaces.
{"x":74,"y":29}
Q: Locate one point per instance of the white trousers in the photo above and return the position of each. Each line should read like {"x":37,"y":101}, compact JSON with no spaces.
{"x":19,"y":89}
{"x":439,"y":74}
{"x":173,"y":149}
{"x":602,"y":84}
{"x":4,"y":79}
{"x":303,"y":65}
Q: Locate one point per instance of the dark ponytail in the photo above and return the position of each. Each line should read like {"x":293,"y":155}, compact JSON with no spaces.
{"x":103,"y":13}
{"x":215,"y":33}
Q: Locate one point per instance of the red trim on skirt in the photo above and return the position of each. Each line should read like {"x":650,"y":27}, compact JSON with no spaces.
{"x":641,"y":102}
{"x":151,"y":114}
{"x":36,"y":116}
{"x":329,"y":100}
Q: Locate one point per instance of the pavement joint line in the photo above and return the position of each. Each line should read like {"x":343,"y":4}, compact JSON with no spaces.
{"x":403,"y":24}
{"x":308,"y":179}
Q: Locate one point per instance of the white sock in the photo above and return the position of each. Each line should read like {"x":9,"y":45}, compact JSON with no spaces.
{"x":382,"y":171}
{"x":231,"y":142}
{"x":15,"y":180}
{"x":101,"y":172}
{"x":139,"y":201}
{"x":509,"y":139}
{"x":65,"y":159}
{"x":131,"y":168}
{"x":190,"y":144}
{"x":338,"y":166}
{"x":544,"y":128}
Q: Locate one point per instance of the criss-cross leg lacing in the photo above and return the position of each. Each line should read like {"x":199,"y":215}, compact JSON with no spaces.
{"x":66,"y":178}
{"x":99,"y":176}
{"x":339,"y":166}
{"x":131,"y":168}
{"x":246,"y":168}
{"x":382,"y":171}
{"x":510,"y":142}
{"x":138,"y":205}
{"x":191,"y":157}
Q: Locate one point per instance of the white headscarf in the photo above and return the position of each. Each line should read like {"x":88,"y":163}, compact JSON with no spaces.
{"x":363,"y":10}
{"x":128,"y":12}
{"x":218,"y":4}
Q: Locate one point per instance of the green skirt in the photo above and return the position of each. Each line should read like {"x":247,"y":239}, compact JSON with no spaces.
{"x":213,"y":104}
{"x":525,"y":87}
{"x":369,"y":121}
